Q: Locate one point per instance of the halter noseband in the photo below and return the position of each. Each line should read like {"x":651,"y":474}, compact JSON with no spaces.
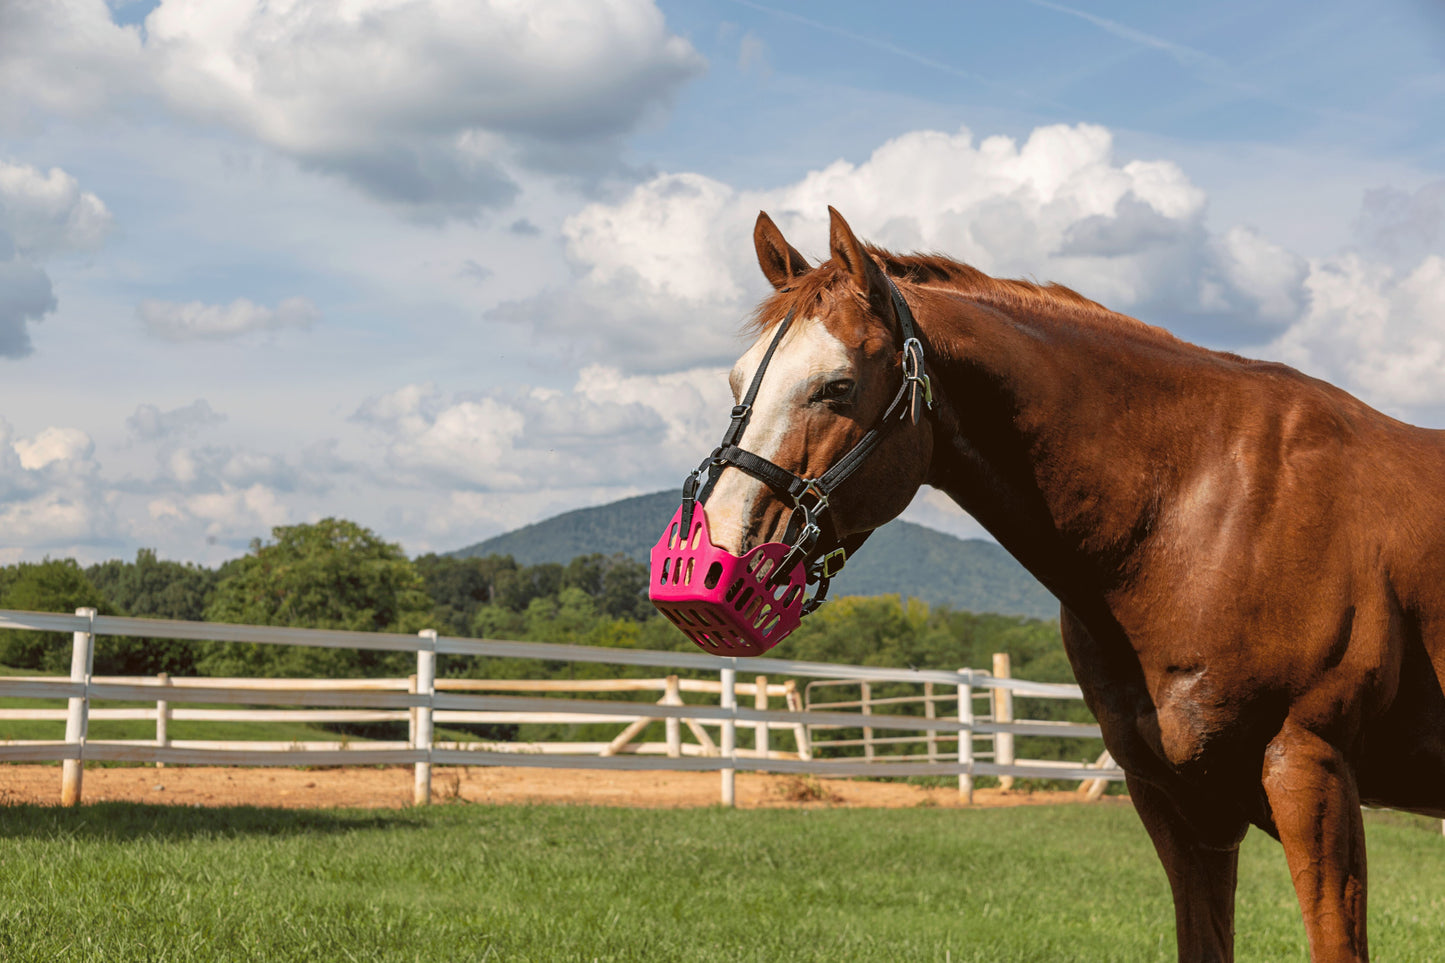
{"x":810,"y":496}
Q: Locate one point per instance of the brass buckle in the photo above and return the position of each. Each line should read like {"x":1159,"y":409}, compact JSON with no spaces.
{"x":838,"y":555}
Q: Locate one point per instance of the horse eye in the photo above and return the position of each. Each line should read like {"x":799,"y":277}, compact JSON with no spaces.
{"x":838,"y":390}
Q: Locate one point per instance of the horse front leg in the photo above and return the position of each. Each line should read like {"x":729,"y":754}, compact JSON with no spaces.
{"x":1316,"y":811}
{"x":1202,"y":866}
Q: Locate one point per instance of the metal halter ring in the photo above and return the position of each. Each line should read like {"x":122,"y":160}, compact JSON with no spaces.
{"x":912,"y":365}
{"x":810,"y":487}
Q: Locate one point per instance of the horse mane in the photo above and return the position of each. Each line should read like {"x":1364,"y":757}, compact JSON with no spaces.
{"x":940,"y":271}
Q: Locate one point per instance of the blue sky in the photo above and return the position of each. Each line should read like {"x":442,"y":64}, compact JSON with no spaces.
{"x":446,"y":268}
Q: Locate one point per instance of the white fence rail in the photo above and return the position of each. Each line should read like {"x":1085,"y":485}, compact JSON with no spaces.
{"x":425,"y":701}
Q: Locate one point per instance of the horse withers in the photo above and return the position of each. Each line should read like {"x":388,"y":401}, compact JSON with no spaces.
{"x":1251,"y":562}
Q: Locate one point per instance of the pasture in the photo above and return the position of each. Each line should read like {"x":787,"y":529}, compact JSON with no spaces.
{"x":126,"y":882}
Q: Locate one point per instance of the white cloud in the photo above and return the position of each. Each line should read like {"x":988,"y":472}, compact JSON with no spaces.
{"x":25,"y":296}
{"x":196,"y":321}
{"x":1374,"y":330}
{"x":54,"y":445}
{"x":50,"y":489}
{"x":42,"y":215}
{"x":430,"y":104}
{"x":48,"y":213}
{"x":64,"y":56}
{"x":609,"y":430}
{"x":666,"y":273}
{"x":226,"y":514}
{"x":149,"y":423}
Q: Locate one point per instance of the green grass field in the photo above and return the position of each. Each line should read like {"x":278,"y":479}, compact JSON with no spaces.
{"x":122,"y":882}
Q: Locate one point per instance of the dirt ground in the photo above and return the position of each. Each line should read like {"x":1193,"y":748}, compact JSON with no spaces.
{"x":391,"y":788}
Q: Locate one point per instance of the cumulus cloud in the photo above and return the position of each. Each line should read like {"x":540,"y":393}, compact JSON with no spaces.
{"x":65,"y":56}
{"x":42,"y":215}
{"x":149,"y":423}
{"x":25,"y":295}
{"x":197,"y":321}
{"x":50,"y":489}
{"x":666,"y":272}
{"x":610,"y":429}
{"x":429,"y":104}
{"x":69,"y":446}
{"x":224,"y":515}
{"x":1374,"y":330}
{"x":47,"y":213}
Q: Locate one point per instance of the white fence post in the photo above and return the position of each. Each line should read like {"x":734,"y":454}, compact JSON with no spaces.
{"x":729,"y":747}
{"x":867,"y":730}
{"x":411,"y":713}
{"x":163,"y":718}
{"x":760,"y":729}
{"x":77,"y":720}
{"x":800,"y":731}
{"x":672,"y":725}
{"x":1003,"y":711}
{"x":930,"y":711}
{"x":426,"y":673}
{"x":965,"y":735}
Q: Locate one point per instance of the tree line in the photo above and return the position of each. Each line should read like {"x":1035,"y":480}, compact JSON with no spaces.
{"x":336,"y":574}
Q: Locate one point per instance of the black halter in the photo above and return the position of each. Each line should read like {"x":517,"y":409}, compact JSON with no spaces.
{"x":809,"y":496}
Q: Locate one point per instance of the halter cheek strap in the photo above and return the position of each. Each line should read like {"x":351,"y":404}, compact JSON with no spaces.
{"x":809,"y":496}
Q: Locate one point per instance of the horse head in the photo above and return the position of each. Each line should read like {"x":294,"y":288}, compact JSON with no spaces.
{"x":828,"y":441}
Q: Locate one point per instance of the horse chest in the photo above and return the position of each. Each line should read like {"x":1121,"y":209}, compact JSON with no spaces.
{"x":1184,"y":715}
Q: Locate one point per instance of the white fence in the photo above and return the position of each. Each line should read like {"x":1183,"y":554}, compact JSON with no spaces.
{"x":426,"y":700}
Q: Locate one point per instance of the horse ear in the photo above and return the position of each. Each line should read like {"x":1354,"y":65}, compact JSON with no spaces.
{"x":854,"y":258}
{"x":779,"y":260}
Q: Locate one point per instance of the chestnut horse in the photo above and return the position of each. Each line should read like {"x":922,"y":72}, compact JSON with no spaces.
{"x":1249,"y":560}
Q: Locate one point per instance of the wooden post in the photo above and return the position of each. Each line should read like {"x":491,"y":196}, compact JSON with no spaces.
{"x":794,"y":702}
{"x":930,"y":711}
{"x":760,"y":729}
{"x":965,"y":736}
{"x":163,"y":717}
{"x":77,"y":719}
{"x":1092,"y":789}
{"x":625,"y":737}
{"x":867,"y":730}
{"x":426,"y":673}
{"x":671,"y":696}
{"x":709,"y":748}
{"x":1003,"y":711}
{"x":729,"y":735}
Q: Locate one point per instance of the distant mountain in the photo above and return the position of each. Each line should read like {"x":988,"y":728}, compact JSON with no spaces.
{"x":900,"y":558}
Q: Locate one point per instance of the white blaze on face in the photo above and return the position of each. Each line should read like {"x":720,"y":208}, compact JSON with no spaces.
{"x":808,"y":350}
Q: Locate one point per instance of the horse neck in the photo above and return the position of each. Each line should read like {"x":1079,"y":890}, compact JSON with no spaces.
{"x":1065,"y":438}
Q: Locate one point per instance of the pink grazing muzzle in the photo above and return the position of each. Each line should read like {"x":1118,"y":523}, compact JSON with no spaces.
{"x":722,"y":602}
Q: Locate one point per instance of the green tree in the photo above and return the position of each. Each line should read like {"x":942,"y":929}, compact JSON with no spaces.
{"x":331,"y":574}
{"x":52,"y":585}
{"x":618,"y":583}
{"x":460,"y":587}
{"x":151,"y":588}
